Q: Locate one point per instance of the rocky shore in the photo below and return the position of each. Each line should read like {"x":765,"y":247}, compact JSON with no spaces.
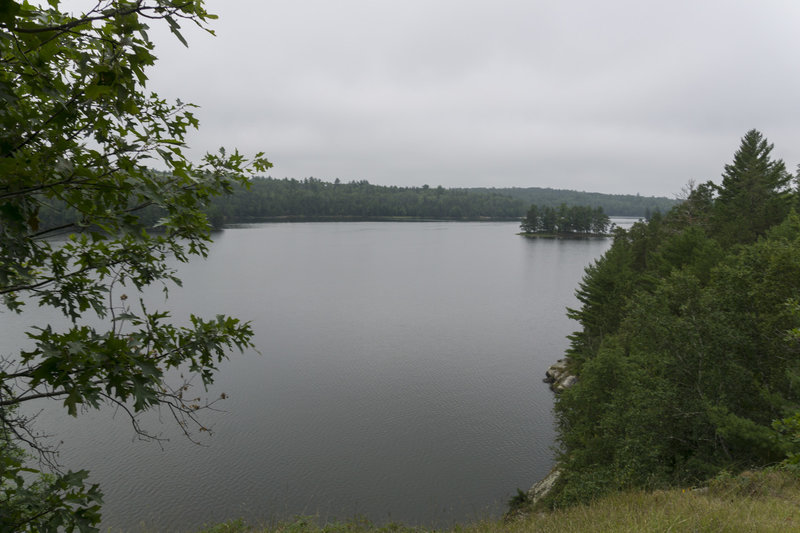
{"x":543,"y":487}
{"x":559,"y":377}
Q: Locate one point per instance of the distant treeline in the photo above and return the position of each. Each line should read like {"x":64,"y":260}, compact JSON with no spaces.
{"x":314,"y":198}
{"x":619,"y":205}
{"x":565,"y":219}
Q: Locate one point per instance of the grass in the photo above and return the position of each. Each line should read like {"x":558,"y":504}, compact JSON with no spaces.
{"x":762,"y":501}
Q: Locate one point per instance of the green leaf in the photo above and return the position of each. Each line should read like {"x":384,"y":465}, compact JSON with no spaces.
{"x":174,"y":27}
{"x":9,"y":9}
{"x":95,"y":92}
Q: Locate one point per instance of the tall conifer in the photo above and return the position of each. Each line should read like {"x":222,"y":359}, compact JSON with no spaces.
{"x":754,"y":191}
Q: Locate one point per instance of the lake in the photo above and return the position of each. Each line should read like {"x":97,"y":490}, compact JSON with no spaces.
{"x":399,"y":378}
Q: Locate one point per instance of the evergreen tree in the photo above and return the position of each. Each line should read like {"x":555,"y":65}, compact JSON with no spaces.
{"x":565,"y":220}
{"x":531,"y":222}
{"x":688,"y":357}
{"x":754,"y":192}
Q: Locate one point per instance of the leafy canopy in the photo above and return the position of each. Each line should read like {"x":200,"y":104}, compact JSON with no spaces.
{"x":79,"y":132}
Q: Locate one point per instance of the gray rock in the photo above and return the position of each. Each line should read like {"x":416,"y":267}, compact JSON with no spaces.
{"x":567,"y":382}
{"x":558,"y":377}
{"x":543,"y":487}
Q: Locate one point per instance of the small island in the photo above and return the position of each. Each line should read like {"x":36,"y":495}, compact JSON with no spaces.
{"x":565,"y":221}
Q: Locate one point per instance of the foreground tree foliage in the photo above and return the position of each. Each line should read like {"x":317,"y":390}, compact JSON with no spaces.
{"x":78,"y":129}
{"x":688,"y":355}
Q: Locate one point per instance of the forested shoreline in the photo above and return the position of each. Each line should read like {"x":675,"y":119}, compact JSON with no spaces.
{"x":265,"y":199}
{"x":311,"y":198}
{"x":688,"y":353}
{"x":615,"y":205}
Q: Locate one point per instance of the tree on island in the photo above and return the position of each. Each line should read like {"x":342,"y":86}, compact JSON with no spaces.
{"x":565,"y":220}
{"x":79,"y":129}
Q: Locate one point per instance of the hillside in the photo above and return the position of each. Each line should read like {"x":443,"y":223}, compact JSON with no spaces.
{"x":311,"y":198}
{"x":621,"y":205}
{"x":688,"y":350}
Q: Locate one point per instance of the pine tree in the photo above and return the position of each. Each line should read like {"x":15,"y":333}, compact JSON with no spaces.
{"x":754,"y":193}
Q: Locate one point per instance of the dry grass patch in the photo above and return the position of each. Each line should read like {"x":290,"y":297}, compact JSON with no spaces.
{"x":763,"y":501}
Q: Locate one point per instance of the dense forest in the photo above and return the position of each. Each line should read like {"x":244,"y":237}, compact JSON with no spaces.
{"x":565,"y":220}
{"x":620,"y":205}
{"x":314,"y":198}
{"x":688,"y":353}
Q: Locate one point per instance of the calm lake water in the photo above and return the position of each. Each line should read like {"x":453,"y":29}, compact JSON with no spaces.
{"x":400,"y":378}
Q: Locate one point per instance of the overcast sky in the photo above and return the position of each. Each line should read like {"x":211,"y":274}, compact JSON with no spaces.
{"x":618,"y":96}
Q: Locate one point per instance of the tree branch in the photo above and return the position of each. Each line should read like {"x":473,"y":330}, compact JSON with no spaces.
{"x":20,"y":399}
{"x":138,"y":9}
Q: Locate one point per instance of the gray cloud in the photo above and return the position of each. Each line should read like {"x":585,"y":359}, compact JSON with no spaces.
{"x":617,"y":96}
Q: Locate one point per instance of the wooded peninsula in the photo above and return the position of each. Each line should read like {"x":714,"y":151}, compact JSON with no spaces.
{"x":687,"y":354}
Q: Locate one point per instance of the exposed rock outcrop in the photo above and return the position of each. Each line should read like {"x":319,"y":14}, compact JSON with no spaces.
{"x":559,"y":377}
{"x":543,"y":487}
